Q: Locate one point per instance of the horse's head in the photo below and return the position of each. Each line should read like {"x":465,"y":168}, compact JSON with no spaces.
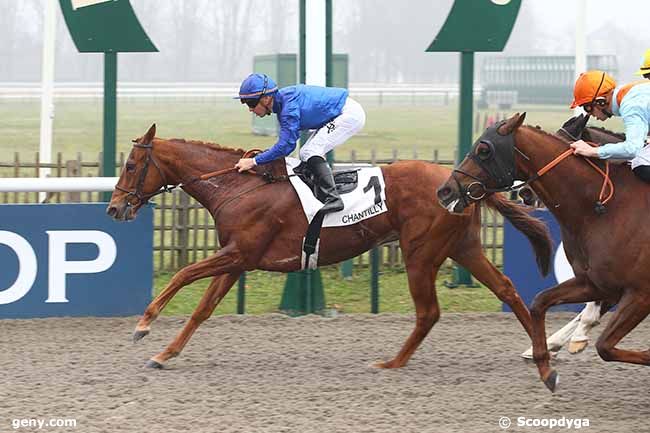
{"x":141,"y":179}
{"x":574,"y":128}
{"x":488,"y":167}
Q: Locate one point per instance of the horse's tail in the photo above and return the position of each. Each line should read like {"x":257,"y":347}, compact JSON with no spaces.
{"x":535,"y":230}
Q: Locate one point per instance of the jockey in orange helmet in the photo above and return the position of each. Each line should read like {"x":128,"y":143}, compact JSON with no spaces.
{"x":596,"y":92}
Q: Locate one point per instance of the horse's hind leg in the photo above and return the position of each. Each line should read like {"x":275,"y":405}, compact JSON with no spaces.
{"x":218,"y":288}
{"x":633,"y":307}
{"x":225,"y":260}
{"x":421,"y":279}
{"x":589,"y":319}
{"x":475,"y":262}
{"x":575,"y":332}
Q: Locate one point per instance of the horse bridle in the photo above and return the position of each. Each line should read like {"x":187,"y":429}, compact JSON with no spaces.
{"x":138,"y":193}
{"x":499,"y":164}
{"x":504,"y":145}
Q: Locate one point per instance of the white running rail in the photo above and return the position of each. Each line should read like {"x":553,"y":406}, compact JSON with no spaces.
{"x":57,"y":184}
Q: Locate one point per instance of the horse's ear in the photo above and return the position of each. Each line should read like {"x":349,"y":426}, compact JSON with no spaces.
{"x":151,"y":133}
{"x":520,"y":120}
{"x":511,"y":124}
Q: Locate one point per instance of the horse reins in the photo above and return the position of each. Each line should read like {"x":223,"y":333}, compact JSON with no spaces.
{"x":268,"y":177}
{"x":247,"y":154}
{"x":607,"y":182}
{"x":144,"y":198}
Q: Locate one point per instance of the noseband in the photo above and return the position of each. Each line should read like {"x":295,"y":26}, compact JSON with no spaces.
{"x":138,"y":193}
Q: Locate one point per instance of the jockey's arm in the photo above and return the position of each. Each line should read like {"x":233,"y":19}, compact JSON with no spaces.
{"x":287,"y":139}
{"x":636,"y":131}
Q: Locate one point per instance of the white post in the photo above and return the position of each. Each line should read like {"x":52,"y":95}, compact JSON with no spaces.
{"x":581,"y":55}
{"x":315,"y":46}
{"x":47,"y":87}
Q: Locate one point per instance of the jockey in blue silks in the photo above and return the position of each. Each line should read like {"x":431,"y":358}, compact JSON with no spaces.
{"x":329,"y":111}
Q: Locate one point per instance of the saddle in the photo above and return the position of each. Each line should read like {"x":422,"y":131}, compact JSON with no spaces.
{"x":345,"y":180}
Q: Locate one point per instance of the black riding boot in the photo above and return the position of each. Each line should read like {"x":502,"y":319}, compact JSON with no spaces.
{"x":325,"y":182}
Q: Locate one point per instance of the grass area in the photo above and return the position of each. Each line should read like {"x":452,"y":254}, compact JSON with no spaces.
{"x":78,"y":126}
{"x":264,"y":292}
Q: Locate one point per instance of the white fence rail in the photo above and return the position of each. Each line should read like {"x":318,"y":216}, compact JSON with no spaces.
{"x":29,"y":90}
{"x":57,"y":184}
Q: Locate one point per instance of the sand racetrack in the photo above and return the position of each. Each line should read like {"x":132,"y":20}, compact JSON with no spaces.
{"x":277,"y":374}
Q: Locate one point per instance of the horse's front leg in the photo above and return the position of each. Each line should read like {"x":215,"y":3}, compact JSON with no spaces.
{"x":575,"y":290}
{"x":218,"y":288}
{"x":227,"y":260}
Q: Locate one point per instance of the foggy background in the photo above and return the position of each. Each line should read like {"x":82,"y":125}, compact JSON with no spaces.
{"x":215,"y":40}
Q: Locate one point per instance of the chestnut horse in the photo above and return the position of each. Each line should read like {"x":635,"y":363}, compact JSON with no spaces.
{"x":576,"y":332}
{"x":604,"y":235}
{"x":261,"y":225}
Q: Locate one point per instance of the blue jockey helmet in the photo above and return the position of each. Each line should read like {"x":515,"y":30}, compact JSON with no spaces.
{"x":255,"y":86}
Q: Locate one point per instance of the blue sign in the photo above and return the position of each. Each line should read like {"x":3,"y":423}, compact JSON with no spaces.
{"x":73,"y":260}
{"x":520,"y":266}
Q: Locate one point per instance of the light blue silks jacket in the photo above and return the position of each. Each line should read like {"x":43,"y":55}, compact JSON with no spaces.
{"x":635,"y":111}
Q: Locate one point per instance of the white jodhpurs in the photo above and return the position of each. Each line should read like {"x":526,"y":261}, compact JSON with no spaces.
{"x":330,"y":135}
{"x":642,"y":158}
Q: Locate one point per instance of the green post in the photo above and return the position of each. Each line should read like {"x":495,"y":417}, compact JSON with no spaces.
{"x":303,"y":293}
{"x":302,"y":38}
{"x":374,"y":281}
{"x":461,"y":275}
{"x":491,"y":23}
{"x":328,"y":59}
{"x":303,"y":290}
{"x":107,"y":27}
{"x":241,"y":294}
{"x":110,"y":118}
{"x":346,"y":268}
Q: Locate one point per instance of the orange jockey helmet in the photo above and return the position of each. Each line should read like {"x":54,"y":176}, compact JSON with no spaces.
{"x":591,"y":85}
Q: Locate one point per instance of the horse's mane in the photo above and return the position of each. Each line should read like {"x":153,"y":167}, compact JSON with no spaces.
{"x":548,"y":134}
{"x":615,"y":168}
{"x":214,"y":146}
{"x":604,"y":130}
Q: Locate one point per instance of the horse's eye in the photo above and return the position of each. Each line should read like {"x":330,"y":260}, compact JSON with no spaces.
{"x":130,"y":167}
{"x":484,"y":152}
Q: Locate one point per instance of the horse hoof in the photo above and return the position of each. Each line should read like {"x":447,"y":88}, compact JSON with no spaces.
{"x":153,"y":364}
{"x":384,"y":364}
{"x":139,"y":335}
{"x":577,"y":346}
{"x":552,"y":381}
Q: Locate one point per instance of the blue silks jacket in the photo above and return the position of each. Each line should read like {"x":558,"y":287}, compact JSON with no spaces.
{"x":300,"y":108}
